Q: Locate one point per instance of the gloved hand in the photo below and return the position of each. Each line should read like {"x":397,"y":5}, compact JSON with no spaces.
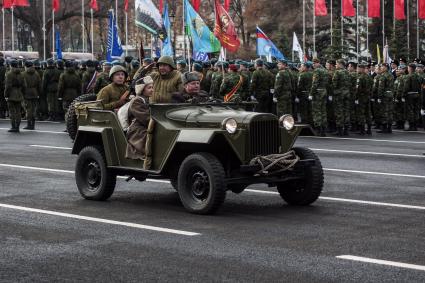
{"x":356,"y":102}
{"x":253,"y":98}
{"x":379,"y":100}
{"x":274,"y":99}
{"x":330,"y":98}
{"x":403,"y":100}
{"x":272,"y":90}
{"x":372,"y":99}
{"x":297,"y":100}
{"x":422,"y":112}
{"x":60,"y":98}
{"x":310,"y":97}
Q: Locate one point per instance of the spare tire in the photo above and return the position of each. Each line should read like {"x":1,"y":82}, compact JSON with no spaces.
{"x":71,"y":116}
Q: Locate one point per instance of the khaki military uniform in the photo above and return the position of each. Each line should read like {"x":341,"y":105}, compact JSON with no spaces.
{"x":283,"y":88}
{"x":50,"y":85}
{"x":32,"y":93}
{"x":262,"y":81}
{"x":15,"y":88}
{"x":111,"y":94}
{"x":69,"y":88}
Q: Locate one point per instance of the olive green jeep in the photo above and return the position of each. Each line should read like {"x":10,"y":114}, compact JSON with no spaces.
{"x":204,"y":150}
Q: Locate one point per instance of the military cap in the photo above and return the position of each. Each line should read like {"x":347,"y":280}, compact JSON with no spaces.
{"x":168,"y":60}
{"x":83,"y":63}
{"x":13,"y":63}
{"x":395,"y":62}
{"x":117,"y":63}
{"x":420,"y":66}
{"x":116,"y":69}
{"x":182,"y":62}
{"x":259,"y":62}
{"x":128,"y":59}
{"x":197,"y":67}
{"x":107,"y":64}
{"x":317,"y":60}
{"x":233,"y":67}
{"x":213,"y":61}
{"x":308,"y":64}
{"x":283,"y":61}
{"x":341,"y":61}
{"x":37,"y":63}
{"x":69,"y":64}
{"x":402,"y":67}
{"x":206,"y":64}
{"x":412,"y":65}
{"x":29,"y":64}
{"x":190,"y":77}
{"x":148,"y":61}
{"x":90,"y":64}
{"x":135,"y":63}
{"x":362,"y":64}
{"x":244,"y":63}
{"x":50,"y":62}
{"x":385,"y":65}
{"x":330,"y":61}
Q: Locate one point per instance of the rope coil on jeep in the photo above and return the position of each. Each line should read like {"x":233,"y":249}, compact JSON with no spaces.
{"x":275,"y":163}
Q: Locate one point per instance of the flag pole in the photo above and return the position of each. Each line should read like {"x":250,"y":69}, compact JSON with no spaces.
{"x":367,"y":28}
{"x":184,"y":30}
{"x":314,"y":32}
{"x":342,"y":30}
{"x":332,"y":26}
{"x":383,"y":23}
{"x":13,"y":32}
{"x":116,"y":12}
{"x":304,"y":26}
{"x":92,"y":33}
{"x":44,"y":29}
{"x":394,"y":17}
{"x":408,"y":30}
{"x":126,"y":33}
{"x":53,"y":33}
{"x":82,"y":25}
{"x":4,"y":43}
{"x":417,"y":30}
{"x":357,"y":30}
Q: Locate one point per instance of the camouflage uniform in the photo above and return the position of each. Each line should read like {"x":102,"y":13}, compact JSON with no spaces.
{"x":330,"y":103}
{"x":69,"y":87}
{"x":261,"y":83}
{"x":31,"y":95}
{"x":3,"y":103}
{"x":412,"y":90}
{"x":399,"y":101}
{"x":50,"y":89}
{"x":206,"y":81}
{"x":216,"y":80}
{"x":303,"y":88}
{"x":352,"y":106}
{"x":377,"y":109}
{"x":42,"y":107}
{"x":342,"y":82}
{"x":385,"y":100}
{"x":283,"y":88}
{"x":229,"y":83}
{"x":362,"y":102}
{"x":245,"y":87}
{"x":319,"y":93}
{"x":14,"y":93}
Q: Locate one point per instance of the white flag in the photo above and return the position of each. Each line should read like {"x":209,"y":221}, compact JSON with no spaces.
{"x":387,"y":58}
{"x":296,"y":47}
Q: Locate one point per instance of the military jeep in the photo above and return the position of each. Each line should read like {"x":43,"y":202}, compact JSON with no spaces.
{"x":204,"y":150}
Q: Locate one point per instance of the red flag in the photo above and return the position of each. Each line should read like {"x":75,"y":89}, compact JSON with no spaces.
{"x":20,"y":3}
{"x":421,"y":4}
{"x":126,"y":5}
{"x":320,"y":8}
{"x":161,"y":6}
{"x":196,"y":4}
{"x":7,"y":4}
{"x":224,"y":29}
{"x":55,"y":5}
{"x":399,"y":10}
{"x":374,"y":7}
{"x":348,"y":9}
{"x":93,"y":5}
{"x":226,"y":5}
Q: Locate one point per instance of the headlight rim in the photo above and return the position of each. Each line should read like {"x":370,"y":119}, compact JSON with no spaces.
{"x":224,"y":125}
{"x":282,"y":121}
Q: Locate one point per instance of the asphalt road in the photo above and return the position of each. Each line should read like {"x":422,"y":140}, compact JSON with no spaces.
{"x":368,"y":226}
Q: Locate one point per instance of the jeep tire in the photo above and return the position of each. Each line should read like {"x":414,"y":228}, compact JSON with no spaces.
{"x":307,"y":190}
{"x":71,"y":116}
{"x":201,"y":184}
{"x":94,"y":180}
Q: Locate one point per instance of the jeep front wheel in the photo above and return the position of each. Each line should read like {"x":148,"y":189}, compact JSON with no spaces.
{"x":94,"y":180}
{"x":307,"y":190}
{"x":201,"y":185}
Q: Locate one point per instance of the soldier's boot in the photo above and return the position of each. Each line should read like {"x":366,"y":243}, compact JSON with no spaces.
{"x":339,"y":131}
{"x":345,"y":133}
{"x":369,"y":129}
{"x":50,"y":118}
{"x":28,"y":127}
{"x":323,"y":131}
{"x":383,"y":129}
{"x":361,"y":128}
{"x":13,"y":126}
{"x":390,"y":128}
{"x":18,"y":124}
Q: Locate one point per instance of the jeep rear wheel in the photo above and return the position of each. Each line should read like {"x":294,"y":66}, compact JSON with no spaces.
{"x":94,"y":180}
{"x":307,"y":190}
{"x":201,"y":185}
{"x":71,"y":115}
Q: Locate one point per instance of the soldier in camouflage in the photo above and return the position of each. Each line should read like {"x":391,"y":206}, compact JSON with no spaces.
{"x":318,"y":96}
{"x":261,"y":86}
{"x":3,"y":103}
{"x":217,"y":79}
{"x":69,"y":86}
{"x":362,"y":99}
{"x":283,"y":89}
{"x":412,"y":90}
{"x":386,"y":98}
{"x":341,"y":83}
{"x":305,"y":79}
{"x":246,"y":74}
{"x":352,"y":69}
{"x":32,"y":93}
{"x":88,"y":78}
{"x":50,"y":83}
{"x":399,"y":100}
{"x":232,"y":85}
{"x":14,"y":90}
{"x":330,"y":104}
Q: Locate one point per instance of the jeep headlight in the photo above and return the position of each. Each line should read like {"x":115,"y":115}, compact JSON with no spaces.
{"x":287,"y":121}
{"x":230,"y":125}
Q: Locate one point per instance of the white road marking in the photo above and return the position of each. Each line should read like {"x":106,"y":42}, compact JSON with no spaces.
{"x":354,"y":139}
{"x":47,"y":122}
{"x":373,"y":173}
{"x":37,"y":131}
{"x":53,"y":147}
{"x":409,"y":132}
{"x":367,"y":152}
{"x":247,"y":190}
{"x":383,"y":262}
{"x":100,"y":220}
{"x":350,"y":200}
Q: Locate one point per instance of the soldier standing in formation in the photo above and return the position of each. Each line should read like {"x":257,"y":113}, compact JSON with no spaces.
{"x":261,"y":87}
{"x":31,"y":94}
{"x":283,"y":89}
{"x":3,"y":103}
{"x":14,"y":90}
{"x":341,"y":83}
{"x":318,"y":95}
{"x":69,"y":86}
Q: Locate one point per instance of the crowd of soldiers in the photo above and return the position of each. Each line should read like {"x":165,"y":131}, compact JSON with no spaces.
{"x":335,"y":98}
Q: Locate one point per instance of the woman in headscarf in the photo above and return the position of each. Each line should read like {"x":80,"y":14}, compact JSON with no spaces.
{"x":139,"y":116}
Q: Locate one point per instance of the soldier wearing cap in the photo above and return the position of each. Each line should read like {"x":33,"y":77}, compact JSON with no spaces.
{"x":262,"y":87}
{"x":191,"y":92}
{"x":305,"y":79}
{"x":69,"y":86}
{"x":412,"y":91}
{"x":217,"y":79}
{"x":3,"y":103}
{"x":362,"y":99}
{"x":14,"y":90}
{"x":102,"y":79}
{"x":230,"y":88}
{"x":342,"y":82}
{"x":182,"y":66}
{"x":49,"y":86}
{"x":385,"y":98}
{"x":88,"y":78}
{"x":283,"y":89}
{"x":246,"y":74}
{"x":318,"y":95}
{"x":352,"y":70}
{"x":32,"y":93}
{"x":330,"y":104}
{"x":399,"y":99}
{"x":135,"y":64}
{"x":167,"y":80}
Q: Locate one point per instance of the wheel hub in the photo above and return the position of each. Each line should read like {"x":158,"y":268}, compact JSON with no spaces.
{"x":200,"y":185}
{"x":93,"y":174}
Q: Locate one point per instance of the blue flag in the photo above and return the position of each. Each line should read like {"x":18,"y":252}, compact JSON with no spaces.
{"x":265,"y":47}
{"x":58,"y":45}
{"x":167,"y":48}
{"x":203,"y":39}
{"x":113,"y":49}
{"x":200,"y":56}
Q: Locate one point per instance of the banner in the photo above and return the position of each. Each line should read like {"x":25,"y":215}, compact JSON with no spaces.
{"x":348,"y":8}
{"x":296,"y":47}
{"x":399,"y":10}
{"x":196,"y":5}
{"x":374,"y":8}
{"x":227,"y":5}
{"x":113,"y":48}
{"x":58,"y":45}
{"x":149,"y":18}
{"x":421,"y":14}
{"x":200,"y":56}
{"x":55,"y":5}
{"x":167,"y":48}
{"x":93,"y":5}
{"x":224,"y":29}
{"x":265,"y":47}
{"x":203,"y":39}
{"x":7,"y":4}
{"x":320,"y":8}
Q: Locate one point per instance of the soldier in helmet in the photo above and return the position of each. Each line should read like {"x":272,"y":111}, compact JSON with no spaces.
{"x":88,"y":77}
{"x":167,"y":80}
{"x":103,"y":77}
{"x":318,"y":96}
{"x":283,"y":89}
{"x":115,"y":94}
{"x":341,"y":82}
{"x":50,"y":82}
{"x":261,"y":86}
{"x":69,"y":86}
{"x":15,"y":88}
{"x":32,"y":93}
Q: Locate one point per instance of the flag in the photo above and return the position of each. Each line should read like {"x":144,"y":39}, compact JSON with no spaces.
{"x":55,"y":5}
{"x":296,"y":47}
{"x":378,"y":53}
{"x":374,"y":8}
{"x":227,"y":5}
{"x":387,"y":58}
{"x":200,"y":56}
{"x":265,"y":46}
{"x":58,"y":45}
{"x":7,"y":4}
{"x":196,"y":5}
{"x":421,"y":7}
{"x":320,"y":8}
{"x":224,"y":29}
{"x":203,"y":39}
{"x":93,"y":5}
{"x":113,"y":49}
{"x":348,"y":8}
{"x":155,"y":47}
{"x":126,"y":5}
{"x":149,"y":18}
{"x":399,"y":10}
{"x":161,"y":6}
{"x":20,"y":3}
{"x":167,"y":48}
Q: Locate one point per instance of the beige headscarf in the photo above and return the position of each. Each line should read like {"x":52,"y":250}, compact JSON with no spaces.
{"x":142,"y":83}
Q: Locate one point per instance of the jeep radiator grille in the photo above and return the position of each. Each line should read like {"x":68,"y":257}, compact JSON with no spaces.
{"x":264,"y":138}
